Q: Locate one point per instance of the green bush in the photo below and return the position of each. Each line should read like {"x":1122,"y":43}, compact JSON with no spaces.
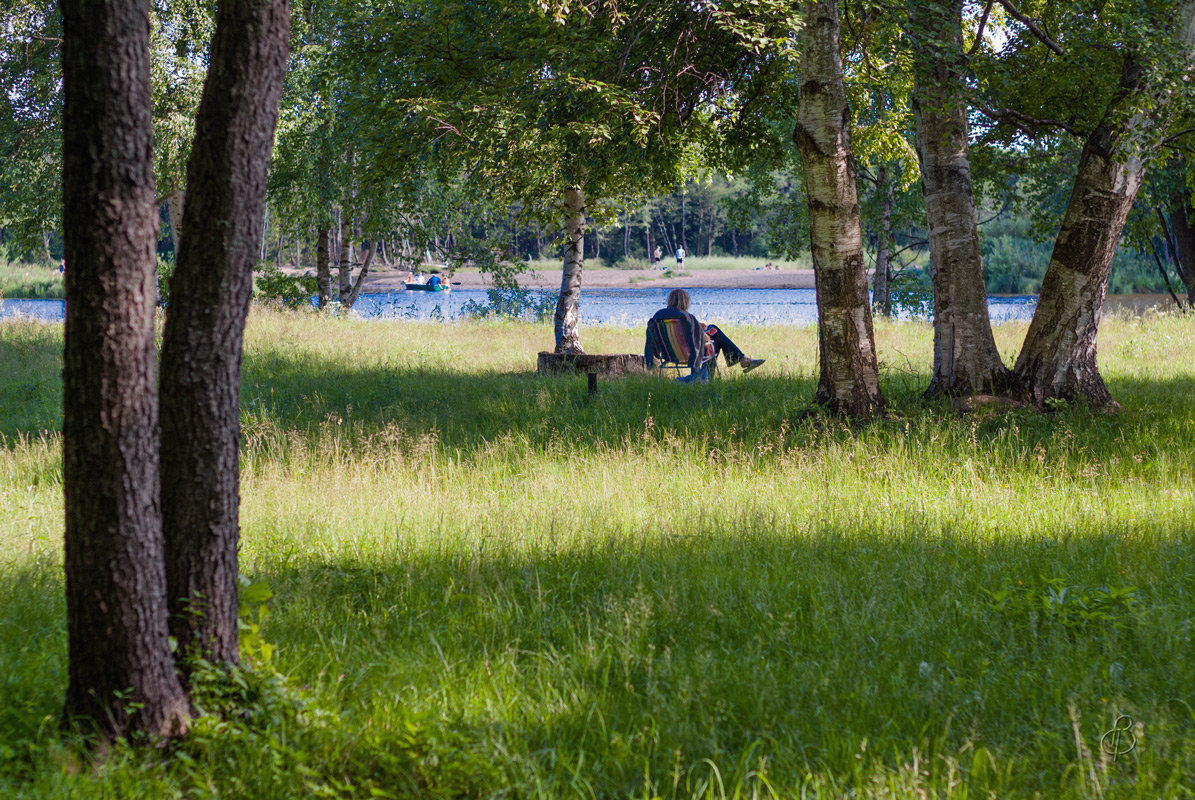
{"x":273,"y":286}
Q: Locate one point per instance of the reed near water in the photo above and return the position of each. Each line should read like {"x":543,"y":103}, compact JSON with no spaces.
{"x":491,"y":583}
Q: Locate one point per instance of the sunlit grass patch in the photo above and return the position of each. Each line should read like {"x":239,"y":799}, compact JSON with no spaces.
{"x":489,"y":582}
{"x":30,"y":282}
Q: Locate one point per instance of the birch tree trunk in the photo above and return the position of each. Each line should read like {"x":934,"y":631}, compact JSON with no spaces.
{"x":201,"y":349}
{"x":568,"y":339}
{"x":881,"y":296}
{"x":1058,"y":357}
{"x":323,"y":269}
{"x":848,"y":382}
{"x":120,"y":672}
{"x":966,"y":360}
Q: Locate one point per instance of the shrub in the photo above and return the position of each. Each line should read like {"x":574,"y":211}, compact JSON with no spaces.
{"x":513,"y":303}
{"x":276,"y":287}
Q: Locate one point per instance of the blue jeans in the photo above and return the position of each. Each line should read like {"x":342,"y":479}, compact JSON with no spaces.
{"x":722,"y":344}
{"x":697,"y":376}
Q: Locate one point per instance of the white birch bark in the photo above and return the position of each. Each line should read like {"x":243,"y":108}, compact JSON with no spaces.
{"x":568,"y":339}
{"x":849,"y":374}
{"x":1058,"y":358}
{"x":966,"y":360}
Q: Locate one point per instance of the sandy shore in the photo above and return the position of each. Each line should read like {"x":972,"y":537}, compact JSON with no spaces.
{"x":601,"y":278}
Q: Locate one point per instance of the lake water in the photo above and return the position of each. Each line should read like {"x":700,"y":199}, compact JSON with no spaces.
{"x":630,"y":307}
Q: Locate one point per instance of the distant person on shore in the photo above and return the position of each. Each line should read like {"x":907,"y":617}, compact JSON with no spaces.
{"x":659,"y":254}
{"x":680,"y":257}
{"x":678,"y":308}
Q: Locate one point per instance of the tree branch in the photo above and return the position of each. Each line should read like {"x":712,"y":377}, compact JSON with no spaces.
{"x":1165,"y":277}
{"x":1033,"y":27}
{"x":1024,"y":121}
{"x":1178,"y":135}
{"x":983,"y":21}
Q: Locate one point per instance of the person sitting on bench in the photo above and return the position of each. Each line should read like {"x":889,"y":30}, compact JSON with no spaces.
{"x":678,"y":308}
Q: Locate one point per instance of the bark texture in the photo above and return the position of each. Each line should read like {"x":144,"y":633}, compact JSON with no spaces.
{"x":121,"y":672}
{"x":201,"y":354}
{"x":966,"y":360}
{"x":1058,"y":358}
{"x":323,"y":269}
{"x":848,"y":382}
{"x":568,"y":339}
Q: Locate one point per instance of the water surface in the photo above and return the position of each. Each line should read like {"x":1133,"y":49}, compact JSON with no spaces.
{"x":630,"y":307}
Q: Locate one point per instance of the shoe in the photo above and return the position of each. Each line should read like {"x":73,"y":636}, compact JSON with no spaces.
{"x":749,"y":364}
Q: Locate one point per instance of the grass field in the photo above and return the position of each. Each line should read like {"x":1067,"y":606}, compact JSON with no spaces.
{"x":490,"y":584}
{"x":30,"y":282}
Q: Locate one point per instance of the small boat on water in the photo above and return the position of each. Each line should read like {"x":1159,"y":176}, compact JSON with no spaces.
{"x":426,"y":287}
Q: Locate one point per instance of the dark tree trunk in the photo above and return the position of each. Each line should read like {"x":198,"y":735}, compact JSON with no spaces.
{"x":849,"y":373}
{"x":323,"y":269}
{"x":568,"y":339}
{"x":684,"y":240}
{"x":201,"y":352}
{"x":121,"y":676}
{"x":647,"y":240}
{"x":345,"y":266}
{"x":881,"y":296}
{"x":966,"y":360}
{"x":1182,"y":231}
{"x":351,"y":300}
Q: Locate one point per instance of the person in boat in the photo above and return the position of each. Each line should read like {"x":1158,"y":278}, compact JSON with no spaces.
{"x":678,"y":308}
{"x":434,"y":280}
{"x":416,"y":277}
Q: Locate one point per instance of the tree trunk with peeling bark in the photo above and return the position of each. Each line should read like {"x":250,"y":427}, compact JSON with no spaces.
{"x":966,"y":359}
{"x":568,"y":339}
{"x":121,"y":677}
{"x":211,"y":290}
{"x":1058,"y":358}
{"x":849,"y":374}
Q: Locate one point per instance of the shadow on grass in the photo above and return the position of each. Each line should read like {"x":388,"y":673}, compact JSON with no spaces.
{"x":469,"y":410}
{"x":30,"y":379}
{"x":823,"y":651}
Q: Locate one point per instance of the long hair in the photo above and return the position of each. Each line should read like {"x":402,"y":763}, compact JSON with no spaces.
{"x":679,"y":299}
